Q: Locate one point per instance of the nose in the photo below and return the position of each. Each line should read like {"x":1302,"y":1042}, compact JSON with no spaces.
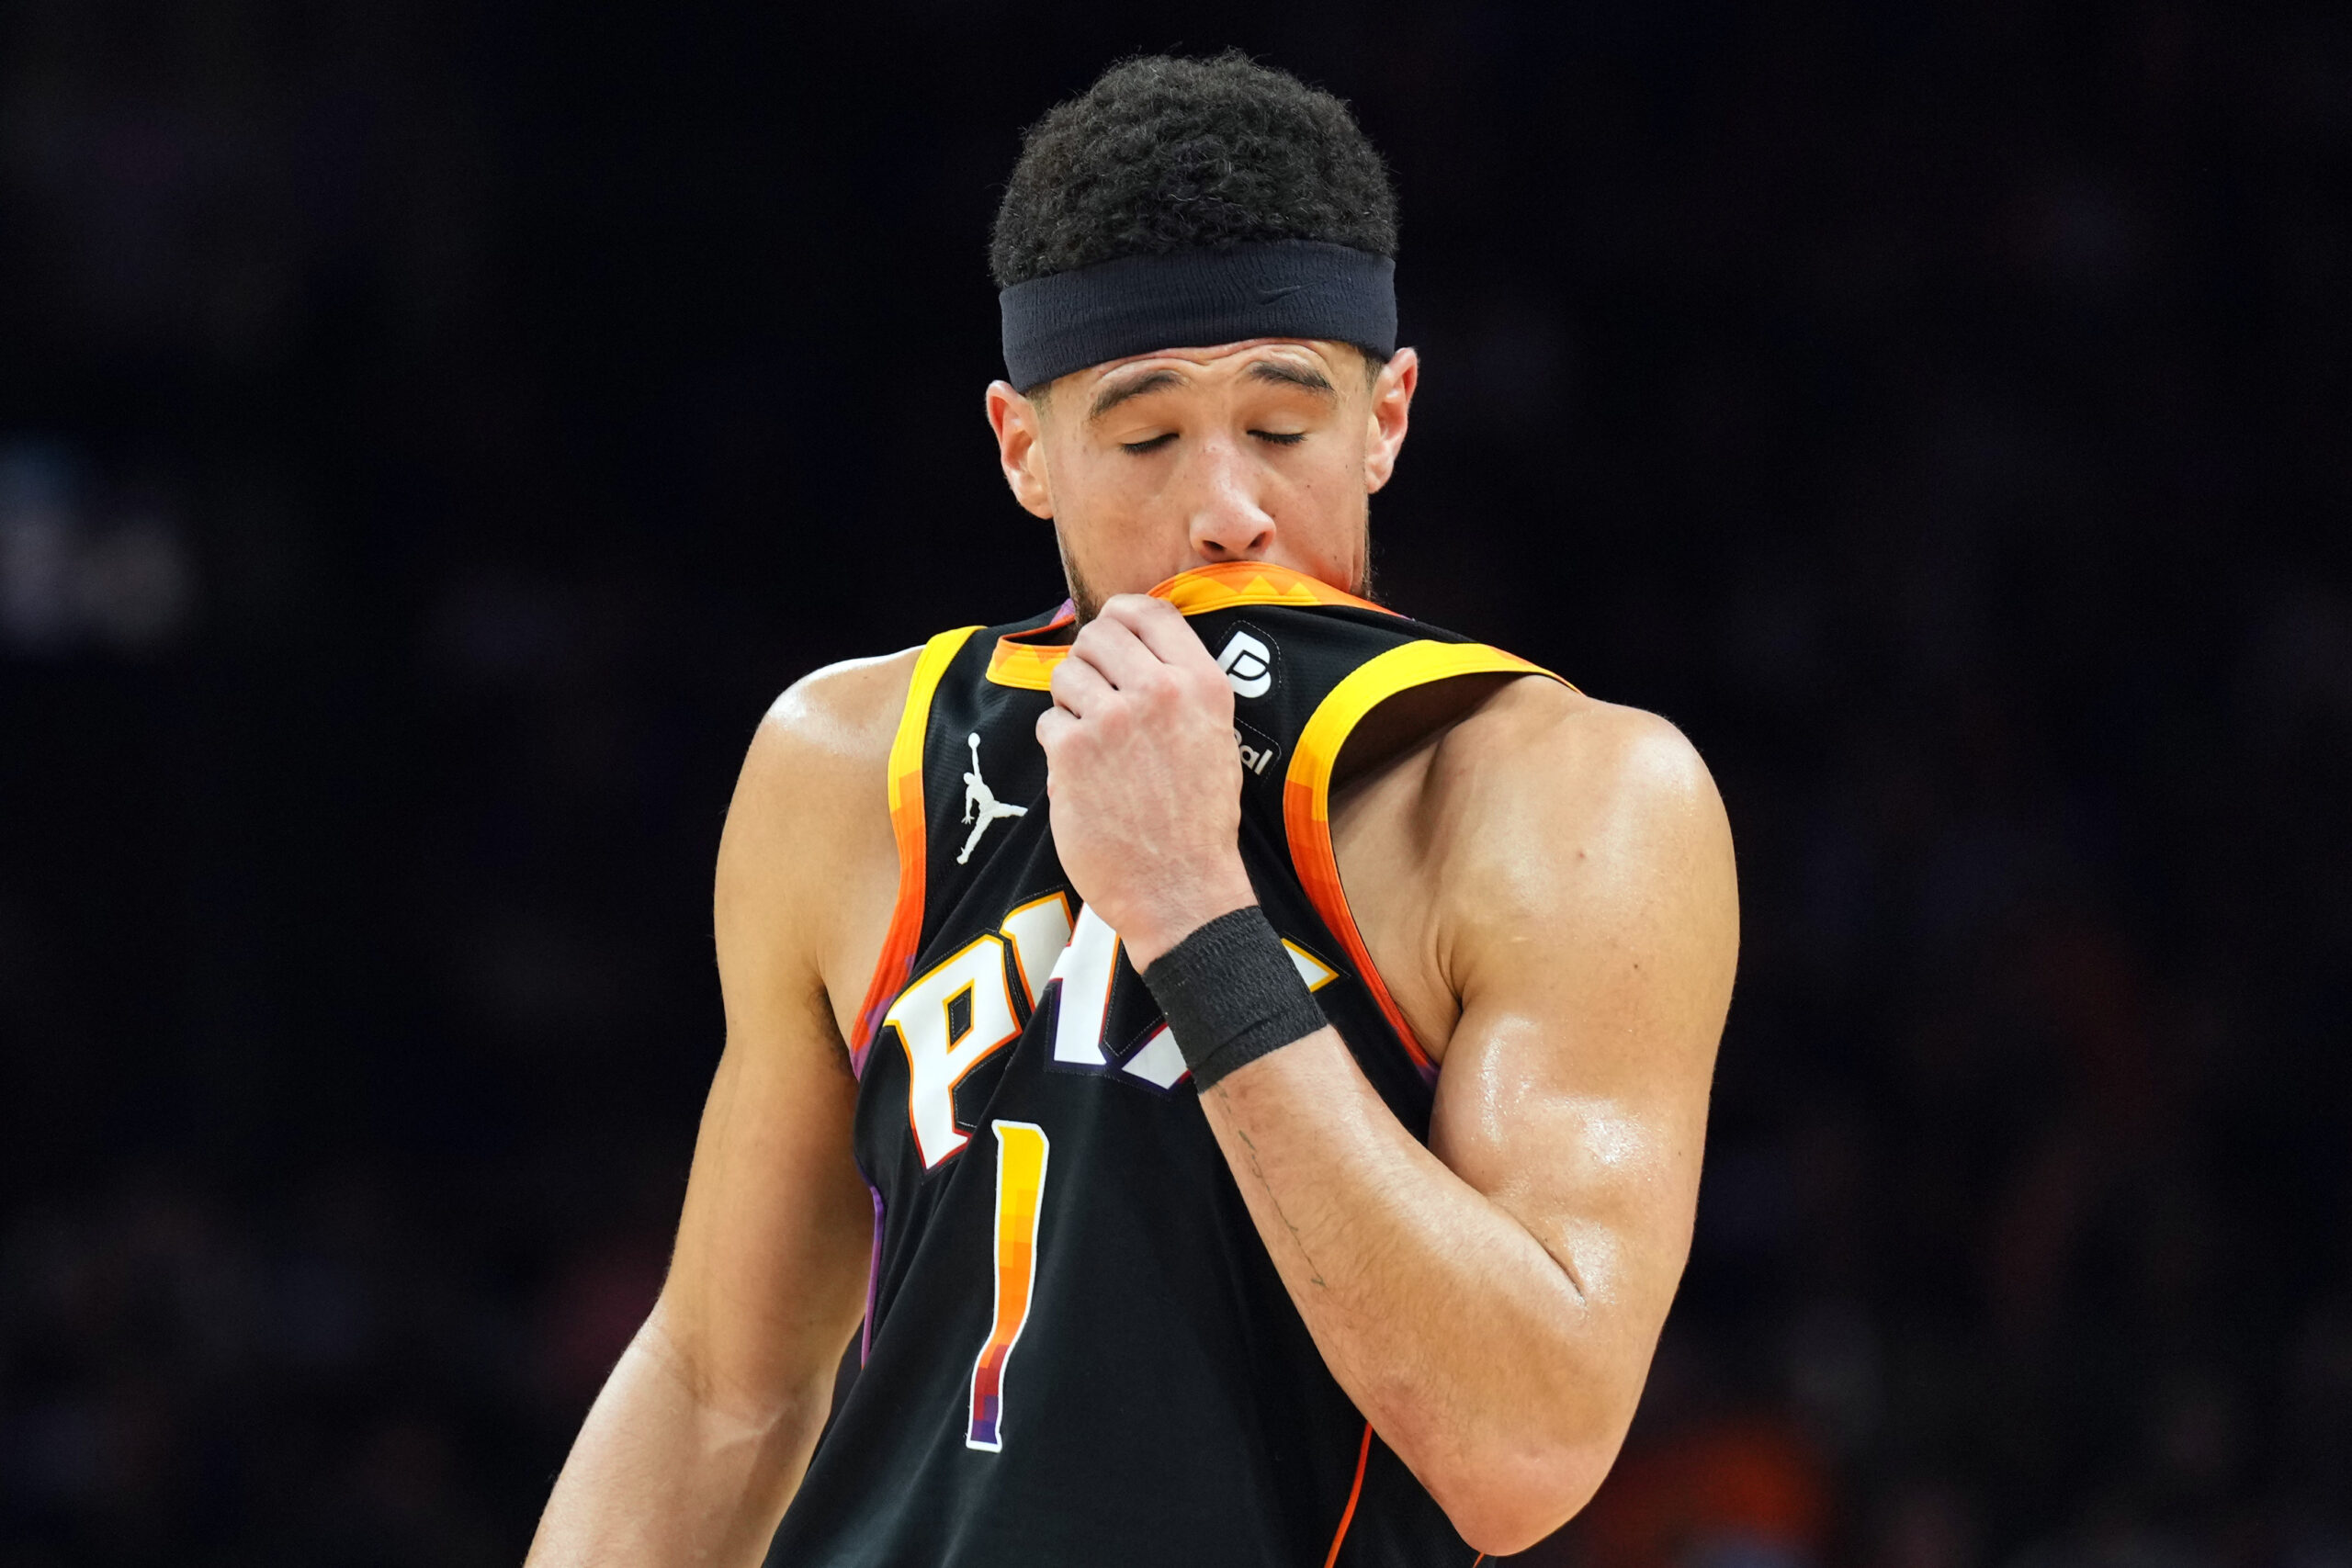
{"x":1229,"y":521}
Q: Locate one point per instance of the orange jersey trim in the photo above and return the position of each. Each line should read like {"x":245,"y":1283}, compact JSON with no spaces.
{"x":908,"y":829}
{"x":1026,"y":665}
{"x":1348,"y":1517}
{"x":1307,"y":788}
{"x":1226,"y":586}
{"x":1231,"y":584}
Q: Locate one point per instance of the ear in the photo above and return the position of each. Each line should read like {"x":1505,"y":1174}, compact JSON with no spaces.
{"x":1392,"y":408}
{"x":1021,"y":447}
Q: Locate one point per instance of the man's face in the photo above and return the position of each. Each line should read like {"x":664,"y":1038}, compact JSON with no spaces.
{"x":1265,"y":450}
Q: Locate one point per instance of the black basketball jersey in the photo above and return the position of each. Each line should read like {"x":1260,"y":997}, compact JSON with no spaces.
{"x":1077,"y":1350}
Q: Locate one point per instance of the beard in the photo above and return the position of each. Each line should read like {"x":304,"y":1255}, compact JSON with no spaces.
{"x":1081,"y":596}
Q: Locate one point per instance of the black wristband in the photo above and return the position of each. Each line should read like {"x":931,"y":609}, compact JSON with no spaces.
{"x":1231,"y":994}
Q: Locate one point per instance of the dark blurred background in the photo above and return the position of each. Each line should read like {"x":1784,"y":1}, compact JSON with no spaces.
{"x":430,"y":435}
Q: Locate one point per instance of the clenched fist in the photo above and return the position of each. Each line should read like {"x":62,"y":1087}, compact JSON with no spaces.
{"x":1144,"y":777}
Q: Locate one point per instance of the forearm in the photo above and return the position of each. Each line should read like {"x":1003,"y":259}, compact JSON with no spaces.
{"x":664,"y":1473}
{"x":1470,"y":1348}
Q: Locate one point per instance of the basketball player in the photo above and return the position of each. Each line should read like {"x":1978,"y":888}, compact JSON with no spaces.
{"x":1241,"y":1054}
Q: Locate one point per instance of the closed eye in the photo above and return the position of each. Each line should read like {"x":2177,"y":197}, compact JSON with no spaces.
{"x":1280,"y":438}
{"x":1154,"y":444}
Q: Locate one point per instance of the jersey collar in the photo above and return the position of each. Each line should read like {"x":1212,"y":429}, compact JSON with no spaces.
{"x":1025,"y":660}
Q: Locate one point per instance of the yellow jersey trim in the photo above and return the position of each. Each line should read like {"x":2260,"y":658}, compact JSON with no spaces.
{"x":907,"y":830}
{"x":1307,"y":787}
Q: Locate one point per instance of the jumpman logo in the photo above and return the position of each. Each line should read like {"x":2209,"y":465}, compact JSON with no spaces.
{"x":981,"y":805}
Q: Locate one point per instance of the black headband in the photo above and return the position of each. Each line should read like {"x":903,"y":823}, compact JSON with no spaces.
{"x":1067,"y":320}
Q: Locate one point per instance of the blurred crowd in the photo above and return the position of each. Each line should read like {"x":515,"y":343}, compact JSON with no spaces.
{"x":430,"y":436}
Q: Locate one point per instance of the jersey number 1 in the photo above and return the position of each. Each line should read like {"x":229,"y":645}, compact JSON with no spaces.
{"x":959,"y":1013}
{"x":1021,"y":1150}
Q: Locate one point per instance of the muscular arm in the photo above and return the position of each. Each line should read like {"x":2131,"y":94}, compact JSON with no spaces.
{"x":702,"y":1432}
{"x":1560,"y":871}
{"x":1491,"y":1301}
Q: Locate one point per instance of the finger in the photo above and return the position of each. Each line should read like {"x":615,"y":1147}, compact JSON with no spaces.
{"x":1077,"y":687}
{"x":1159,"y":626}
{"x":1053,"y":726}
{"x":1112,"y":647}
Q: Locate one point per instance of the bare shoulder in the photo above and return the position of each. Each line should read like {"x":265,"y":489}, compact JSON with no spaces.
{"x":807,"y":865}
{"x":1539,"y":738}
{"x":821,"y":748}
{"x":842,"y":718}
{"x":1542,"y":800}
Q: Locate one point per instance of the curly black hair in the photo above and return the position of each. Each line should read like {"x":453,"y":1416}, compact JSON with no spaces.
{"x":1164,"y":153}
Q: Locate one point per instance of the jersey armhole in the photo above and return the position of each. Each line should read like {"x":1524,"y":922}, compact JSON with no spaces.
{"x":908,"y":831}
{"x":1307,"y":789}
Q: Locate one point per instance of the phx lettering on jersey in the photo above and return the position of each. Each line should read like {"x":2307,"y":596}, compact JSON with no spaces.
{"x":958,"y":1014}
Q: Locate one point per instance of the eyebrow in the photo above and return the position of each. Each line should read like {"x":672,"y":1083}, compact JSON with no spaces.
{"x":1109,"y":398}
{"x":1283,"y":374}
